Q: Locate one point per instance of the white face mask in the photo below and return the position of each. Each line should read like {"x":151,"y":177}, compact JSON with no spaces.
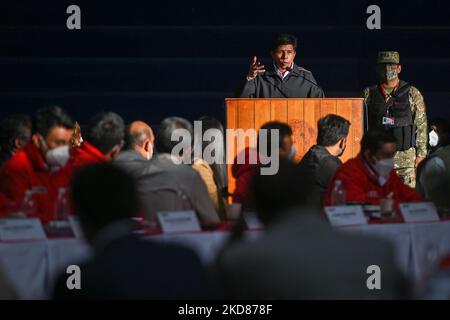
{"x":57,"y":157}
{"x":433,"y":138}
{"x":292,"y":153}
{"x":384,"y":167}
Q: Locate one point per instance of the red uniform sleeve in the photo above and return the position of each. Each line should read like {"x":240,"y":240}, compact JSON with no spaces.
{"x":351,"y":181}
{"x":13,"y":182}
{"x":405,"y":194}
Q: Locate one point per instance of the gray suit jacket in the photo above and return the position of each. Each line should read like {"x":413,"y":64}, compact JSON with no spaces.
{"x":165,"y":186}
{"x":301,"y":257}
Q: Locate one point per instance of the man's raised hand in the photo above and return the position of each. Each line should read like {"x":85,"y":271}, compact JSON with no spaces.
{"x":255,"y":69}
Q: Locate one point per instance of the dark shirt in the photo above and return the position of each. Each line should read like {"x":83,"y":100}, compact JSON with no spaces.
{"x":321,"y":166}
{"x":299,"y":83}
{"x":129,"y":267}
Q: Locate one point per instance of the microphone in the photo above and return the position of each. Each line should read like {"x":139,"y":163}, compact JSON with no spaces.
{"x":304,"y":78}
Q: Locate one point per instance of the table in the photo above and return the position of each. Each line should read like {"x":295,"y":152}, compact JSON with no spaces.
{"x":33,"y":266}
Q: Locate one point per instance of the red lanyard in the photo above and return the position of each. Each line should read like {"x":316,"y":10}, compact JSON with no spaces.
{"x":385,"y":95}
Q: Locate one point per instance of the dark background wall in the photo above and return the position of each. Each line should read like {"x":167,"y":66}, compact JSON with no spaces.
{"x":148,"y":60}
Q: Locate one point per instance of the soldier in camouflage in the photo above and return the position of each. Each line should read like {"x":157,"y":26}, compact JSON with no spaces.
{"x":397,"y":106}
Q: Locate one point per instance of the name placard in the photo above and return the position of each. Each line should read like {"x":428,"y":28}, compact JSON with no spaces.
{"x":419,"y":212}
{"x":21,"y":229}
{"x":340,"y":216}
{"x":178,"y":221}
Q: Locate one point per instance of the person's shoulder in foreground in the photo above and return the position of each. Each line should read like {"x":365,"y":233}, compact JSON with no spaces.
{"x":300,"y":257}
{"x":124,"y":265}
{"x":133,"y":268}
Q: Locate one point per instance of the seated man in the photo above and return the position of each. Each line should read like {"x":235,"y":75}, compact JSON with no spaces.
{"x":300,"y":256}
{"x":103,"y":141}
{"x":244,"y":172}
{"x":165,"y":183}
{"x":15,"y":133}
{"x":370,"y":177}
{"x":139,"y":143}
{"x":124,"y":265}
{"x":322,"y":160}
{"x":38,"y":167}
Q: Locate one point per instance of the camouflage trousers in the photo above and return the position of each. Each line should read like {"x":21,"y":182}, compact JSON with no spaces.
{"x":404,"y":164}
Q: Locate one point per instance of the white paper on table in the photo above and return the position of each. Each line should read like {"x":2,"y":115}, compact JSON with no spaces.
{"x":340,"y":216}
{"x":178,"y":221}
{"x":21,"y":229}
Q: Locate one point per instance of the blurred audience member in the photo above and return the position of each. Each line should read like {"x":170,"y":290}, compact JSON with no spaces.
{"x":433,"y":178}
{"x":104,"y":140}
{"x":15,"y":133}
{"x":322,"y":159}
{"x":439,"y":134}
{"x":37,"y":167}
{"x":370,"y":177}
{"x":7,"y":292}
{"x":125,"y":266}
{"x":165,"y":183}
{"x":139,"y":146}
{"x":244,"y":172}
{"x":174,"y":140}
{"x":211,"y":166}
{"x":140,"y":138}
{"x":299,"y":256}
{"x":285,"y":146}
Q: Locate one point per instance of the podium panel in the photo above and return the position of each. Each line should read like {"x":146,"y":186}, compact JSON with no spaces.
{"x":301,"y":114}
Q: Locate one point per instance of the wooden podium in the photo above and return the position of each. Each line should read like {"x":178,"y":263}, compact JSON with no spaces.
{"x":301,"y":114}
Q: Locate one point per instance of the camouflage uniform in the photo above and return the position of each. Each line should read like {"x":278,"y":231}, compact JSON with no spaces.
{"x":404,"y":161}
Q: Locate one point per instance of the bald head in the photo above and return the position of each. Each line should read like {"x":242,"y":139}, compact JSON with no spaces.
{"x":140,"y":138}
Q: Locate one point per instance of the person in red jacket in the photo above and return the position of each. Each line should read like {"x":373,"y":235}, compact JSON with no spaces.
{"x":104,"y":140}
{"x":37,"y":168}
{"x":267,"y":156}
{"x":370,"y":177}
{"x":243,"y":173}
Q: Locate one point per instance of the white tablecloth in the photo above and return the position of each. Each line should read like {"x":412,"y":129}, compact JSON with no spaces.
{"x":33,"y":266}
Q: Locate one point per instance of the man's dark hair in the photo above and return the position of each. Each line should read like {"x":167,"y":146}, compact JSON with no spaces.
{"x":286,"y":189}
{"x":103,"y":194}
{"x":105,"y":130}
{"x":331,"y":129}
{"x":220,"y":172}
{"x":12,"y":127}
{"x":284,"y":39}
{"x":136,"y":138}
{"x":50,"y":117}
{"x":284,"y":130}
{"x":374,"y":139}
{"x":164,"y":144}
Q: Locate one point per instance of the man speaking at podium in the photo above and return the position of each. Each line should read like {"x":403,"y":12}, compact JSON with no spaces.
{"x":282,"y":80}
